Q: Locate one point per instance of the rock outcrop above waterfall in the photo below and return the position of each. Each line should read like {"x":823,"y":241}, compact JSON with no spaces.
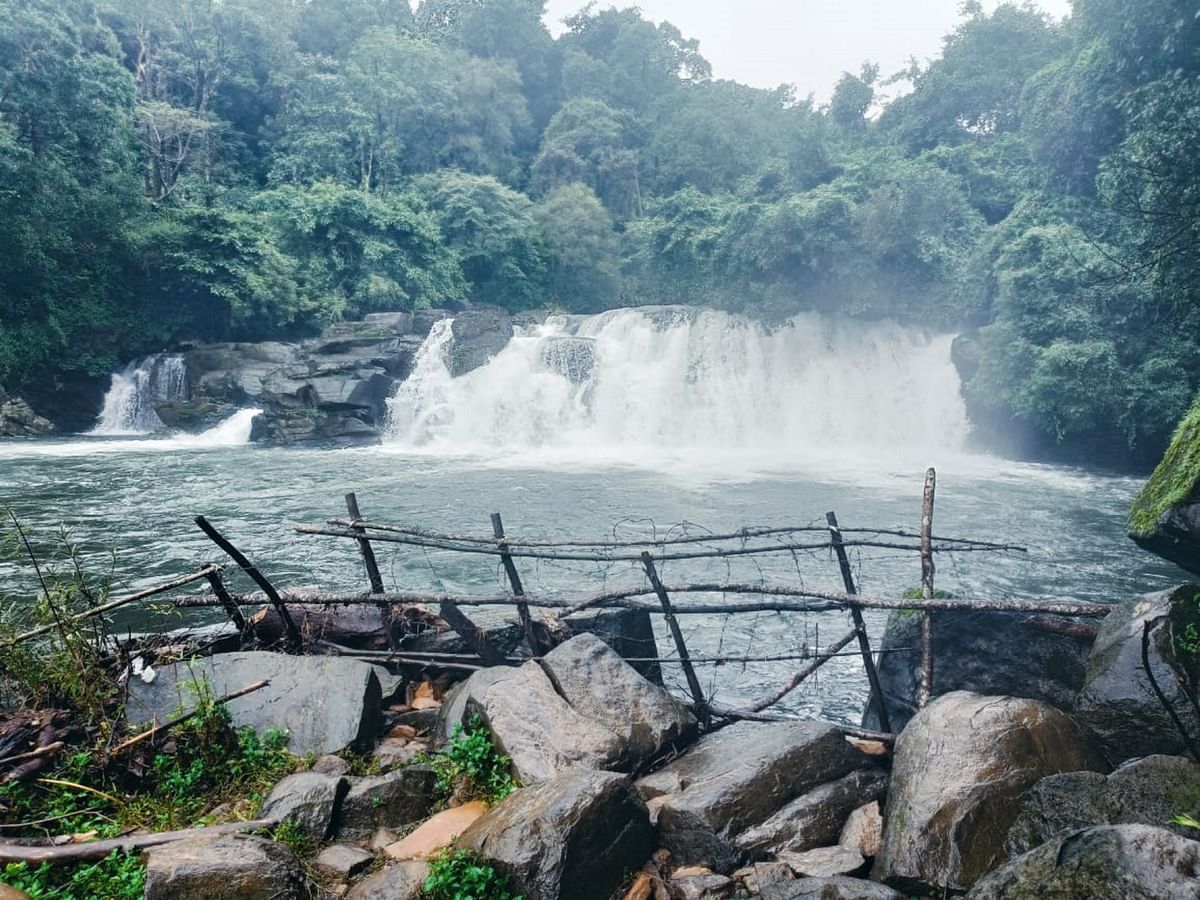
{"x":333,"y":388}
{"x":17,"y":419}
{"x":1165,"y":518}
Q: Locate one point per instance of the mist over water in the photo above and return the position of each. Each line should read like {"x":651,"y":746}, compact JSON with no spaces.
{"x":640,"y":385}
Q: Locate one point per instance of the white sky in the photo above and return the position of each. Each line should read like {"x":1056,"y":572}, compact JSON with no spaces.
{"x":808,"y":43}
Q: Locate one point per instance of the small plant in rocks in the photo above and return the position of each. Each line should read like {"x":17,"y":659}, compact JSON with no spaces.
{"x":471,"y":768}
{"x":461,"y":875}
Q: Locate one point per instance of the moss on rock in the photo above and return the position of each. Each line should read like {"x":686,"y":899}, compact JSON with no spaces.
{"x":1175,"y":479}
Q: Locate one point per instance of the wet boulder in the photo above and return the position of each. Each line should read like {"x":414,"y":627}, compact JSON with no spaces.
{"x":325,"y":703}
{"x":575,"y":835}
{"x":193,"y":415}
{"x":838,"y":887}
{"x":17,"y":419}
{"x":959,"y":770}
{"x":998,"y":654}
{"x":229,"y":865}
{"x":572,"y":357}
{"x":601,"y":686}
{"x":1109,"y":862}
{"x":1147,"y":791}
{"x":737,"y":778}
{"x":394,"y":800}
{"x":480,"y":333}
{"x":402,"y":881}
{"x":1165,"y":517}
{"x":1128,"y":709}
{"x":630,"y":632}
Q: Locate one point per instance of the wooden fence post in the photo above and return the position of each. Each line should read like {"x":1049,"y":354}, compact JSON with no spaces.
{"x":518,"y":589}
{"x":231,"y":608}
{"x":702,"y":711}
{"x":364,"y":545}
{"x":864,"y":642}
{"x":927,"y":568}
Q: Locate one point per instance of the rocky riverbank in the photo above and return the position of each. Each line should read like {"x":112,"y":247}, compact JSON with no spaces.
{"x":1051,"y":762}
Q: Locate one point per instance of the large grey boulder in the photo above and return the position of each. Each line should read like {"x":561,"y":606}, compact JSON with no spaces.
{"x":958,"y":773}
{"x":815,"y":818}
{"x":308,"y":799}
{"x":1119,"y":703}
{"x":630,"y":632}
{"x":838,"y":887}
{"x":572,"y":357}
{"x":1147,"y":791}
{"x":480,"y":332}
{"x":737,"y":778}
{"x":324,"y":703}
{"x":1109,"y":862}
{"x":1165,"y":517}
{"x":394,"y":800}
{"x":999,"y":654}
{"x":17,"y":419}
{"x":223,"y":866}
{"x":530,"y":723}
{"x":576,"y":835}
{"x":601,"y":686}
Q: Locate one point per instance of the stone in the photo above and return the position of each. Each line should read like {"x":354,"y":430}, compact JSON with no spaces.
{"x":402,"y":881}
{"x":8,"y":892}
{"x":575,"y":835}
{"x":17,"y":419}
{"x":193,"y":415}
{"x":437,"y":832}
{"x":958,"y":773}
{"x":824,"y":862}
{"x":1147,"y":791}
{"x":309,"y":799}
{"x":709,"y":886}
{"x":325,"y":703}
{"x":999,"y":654}
{"x":343,"y":861}
{"x":1165,"y":517}
{"x":737,"y":778}
{"x":863,"y":830}
{"x":382,"y":838}
{"x":393,"y":752}
{"x":480,"y":333}
{"x":772,"y":879}
{"x":1108,"y":862}
{"x":531,"y":724}
{"x":839,"y":887}
{"x":393,"y":800}
{"x":1118,"y":703}
{"x":328,"y":764}
{"x":602,"y":687}
{"x":630,"y":632}
{"x":230,"y":865}
{"x":815,"y":818}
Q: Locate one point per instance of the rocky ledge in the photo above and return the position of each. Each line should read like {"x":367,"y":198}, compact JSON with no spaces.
{"x":17,"y":419}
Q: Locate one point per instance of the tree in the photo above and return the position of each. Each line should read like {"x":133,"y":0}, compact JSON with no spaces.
{"x":588,"y":141}
{"x":582,"y":252}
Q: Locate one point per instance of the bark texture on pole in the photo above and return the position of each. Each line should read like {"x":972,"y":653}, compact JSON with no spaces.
{"x":364,"y":546}
{"x":927,"y":569}
{"x":518,"y":589}
{"x":685,"y":661}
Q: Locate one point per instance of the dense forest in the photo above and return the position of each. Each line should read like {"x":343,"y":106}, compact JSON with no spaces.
{"x":244,"y":169}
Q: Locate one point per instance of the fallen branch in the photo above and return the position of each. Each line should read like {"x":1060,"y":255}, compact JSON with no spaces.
{"x":19,"y":853}
{"x":33,"y":754}
{"x":178,"y":720}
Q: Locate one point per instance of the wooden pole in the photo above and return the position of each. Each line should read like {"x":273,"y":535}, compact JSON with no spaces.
{"x":820,"y":658}
{"x":475,"y":637}
{"x":179,"y":720}
{"x":294,"y":638}
{"x":17,"y":853}
{"x":685,"y":662}
{"x":925,"y":688}
{"x":364,"y":545}
{"x":231,"y":608}
{"x":121,"y":601}
{"x":518,"y":589}
{"x":860,"y":626}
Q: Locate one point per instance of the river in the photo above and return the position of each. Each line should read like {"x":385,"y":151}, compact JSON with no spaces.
{"x":667,"y":431}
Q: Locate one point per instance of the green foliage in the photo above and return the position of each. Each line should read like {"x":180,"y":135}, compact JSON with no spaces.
{"x":460,"y":875}
{"x":1186,"y":821}
{"x":119,"y":876}
{"x":470,"y":766}
{"x":1174,"y":480}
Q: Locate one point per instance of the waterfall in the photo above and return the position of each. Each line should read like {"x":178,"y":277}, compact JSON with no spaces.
{"x":137,"y":389}
{"x":632,"y":382}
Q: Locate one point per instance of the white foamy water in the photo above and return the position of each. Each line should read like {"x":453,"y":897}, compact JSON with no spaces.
{"x":643,"y":384}
{"x":232,"y":432}
{"x":136,"y":391}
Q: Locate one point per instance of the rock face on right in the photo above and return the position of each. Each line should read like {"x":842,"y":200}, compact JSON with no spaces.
{"x":959,"y":770}
{"x":737,"y":778}
{"x":1165,"y":518}
{"x":575,"y":836}
{"x":1124,"y":705}
{"x":1109,"y":862}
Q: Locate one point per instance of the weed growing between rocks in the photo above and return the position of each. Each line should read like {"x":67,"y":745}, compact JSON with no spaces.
{"x":471,"y":768}
{"x":119,"y":876}
{"x":460,"y":875}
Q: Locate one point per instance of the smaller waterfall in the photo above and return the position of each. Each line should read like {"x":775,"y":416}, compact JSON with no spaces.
{"x":137,"y":389}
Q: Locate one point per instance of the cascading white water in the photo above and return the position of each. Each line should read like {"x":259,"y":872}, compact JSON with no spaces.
{"x":137,"y":390}
{"x":633,"y":382}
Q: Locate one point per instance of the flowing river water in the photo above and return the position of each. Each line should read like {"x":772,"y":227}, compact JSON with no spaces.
{"x":622,"y":425}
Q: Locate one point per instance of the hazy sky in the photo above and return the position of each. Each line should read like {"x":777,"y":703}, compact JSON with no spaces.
{"x":808,"y":43}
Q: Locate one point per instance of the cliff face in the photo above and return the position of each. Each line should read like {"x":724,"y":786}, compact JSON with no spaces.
{"x":334,"y":388}
{"x":17,"y":419}
{"x":1165,"y":518}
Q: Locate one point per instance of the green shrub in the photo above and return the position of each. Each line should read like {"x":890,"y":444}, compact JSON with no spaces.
{"x":460,"y":875}
{"x":119,"y":876}
{"x":471,"y":767}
